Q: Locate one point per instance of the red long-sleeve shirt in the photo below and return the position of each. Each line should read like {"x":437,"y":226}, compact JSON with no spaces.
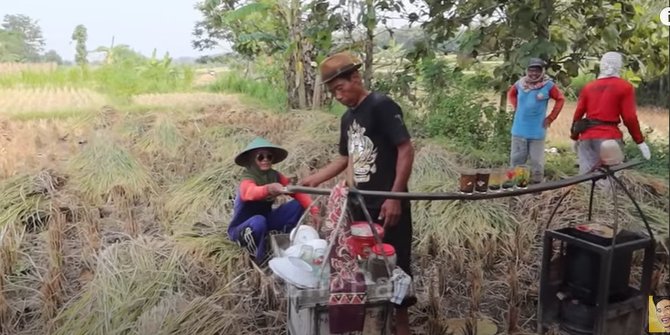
{"x":249,"y":191}
{"x":611,"y":100}
{"x":554,"y":93}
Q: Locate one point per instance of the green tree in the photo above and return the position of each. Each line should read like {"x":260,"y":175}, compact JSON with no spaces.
{"x":567,"y":34}
{"x":298,"y":33}
{"x":30,"y":34}
{"x":80,"y":35}
{"x":11,"y":46}
{"x":52,"y":56}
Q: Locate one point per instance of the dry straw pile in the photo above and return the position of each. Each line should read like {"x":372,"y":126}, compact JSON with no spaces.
{"x":126,"y":232}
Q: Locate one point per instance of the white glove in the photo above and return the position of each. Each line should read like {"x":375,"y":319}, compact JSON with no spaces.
{"x":575,"y":145}
{"x":645,"y":150}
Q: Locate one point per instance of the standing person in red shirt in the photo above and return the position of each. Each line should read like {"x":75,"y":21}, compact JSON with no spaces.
{"x":602,"y":104}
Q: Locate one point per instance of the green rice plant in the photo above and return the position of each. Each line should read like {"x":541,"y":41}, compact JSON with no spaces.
{"x":261,"y":91}
{"x":61,"y":77}
{"x":104,"y":167}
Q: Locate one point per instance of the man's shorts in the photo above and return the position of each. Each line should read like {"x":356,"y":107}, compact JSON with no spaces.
{"x":399,"y":236}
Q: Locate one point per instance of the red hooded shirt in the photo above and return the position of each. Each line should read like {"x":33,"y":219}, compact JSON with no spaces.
{"x":609,"y":99}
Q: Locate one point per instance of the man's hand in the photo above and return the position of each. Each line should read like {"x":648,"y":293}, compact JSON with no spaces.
{"x":309,"y":181}
{"x":390,"y":212}
{"x":644,"y":149}
{"x":547,"y":122}
{"x":275,"y":189}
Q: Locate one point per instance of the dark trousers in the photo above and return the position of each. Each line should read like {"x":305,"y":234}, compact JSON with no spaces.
{"x":283,"y":219}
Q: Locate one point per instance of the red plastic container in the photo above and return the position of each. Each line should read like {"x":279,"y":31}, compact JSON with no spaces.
{"x":362,"y":240}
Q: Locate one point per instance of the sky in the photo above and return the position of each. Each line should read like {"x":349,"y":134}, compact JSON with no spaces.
{"x":166,"y":25}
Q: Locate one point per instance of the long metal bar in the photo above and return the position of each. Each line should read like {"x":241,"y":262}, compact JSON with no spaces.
{"x":474,"y":196}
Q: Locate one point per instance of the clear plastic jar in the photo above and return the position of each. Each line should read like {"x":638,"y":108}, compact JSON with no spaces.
{"x":376,"y":263}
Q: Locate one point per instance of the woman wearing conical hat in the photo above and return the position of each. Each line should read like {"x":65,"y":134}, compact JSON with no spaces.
{"x":253,"y":215}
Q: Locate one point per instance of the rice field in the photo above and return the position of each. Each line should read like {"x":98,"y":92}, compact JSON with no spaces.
{"x":14,"y":67}
{"x":113,"y":218}
{"x":116,"y":224}
{"x":17,"y":101}
{"x":181,"y":100}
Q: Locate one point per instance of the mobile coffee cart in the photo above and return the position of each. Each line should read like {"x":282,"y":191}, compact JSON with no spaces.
{"x":307,"y":309}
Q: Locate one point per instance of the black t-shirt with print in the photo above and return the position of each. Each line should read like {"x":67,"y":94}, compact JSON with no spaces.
{"x":371,"y":133}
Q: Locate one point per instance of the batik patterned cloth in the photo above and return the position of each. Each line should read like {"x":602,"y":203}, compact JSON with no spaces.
{"x":346,"y":304}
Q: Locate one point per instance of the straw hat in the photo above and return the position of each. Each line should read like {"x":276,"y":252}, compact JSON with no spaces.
{"x":278,"y":153}
{"x":337,"y":65}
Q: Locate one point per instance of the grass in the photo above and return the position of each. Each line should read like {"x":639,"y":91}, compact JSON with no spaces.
{"x":271,"y":97}
{"x":119,"y":81}
{"x":137,"y":239}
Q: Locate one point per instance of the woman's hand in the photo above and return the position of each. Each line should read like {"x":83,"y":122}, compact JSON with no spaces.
{"x":275,"y":189}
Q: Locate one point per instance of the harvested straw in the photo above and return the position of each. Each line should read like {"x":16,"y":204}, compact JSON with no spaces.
{"x":52,"y":287}
{"x":189,"y":201}
{"x":163,"y":138}
{"x":105,"y":166}
{"x":129,"y":276}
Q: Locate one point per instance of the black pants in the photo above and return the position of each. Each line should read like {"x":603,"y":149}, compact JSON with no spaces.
{"x":399,"y":236}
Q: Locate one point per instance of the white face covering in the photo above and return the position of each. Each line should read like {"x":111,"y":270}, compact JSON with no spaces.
{"x":610,"y":65}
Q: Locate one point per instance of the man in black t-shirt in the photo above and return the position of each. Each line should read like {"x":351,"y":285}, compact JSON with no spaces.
{"x":374,"y":137}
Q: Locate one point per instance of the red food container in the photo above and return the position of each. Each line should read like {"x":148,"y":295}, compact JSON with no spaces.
{"x":362,"y":240}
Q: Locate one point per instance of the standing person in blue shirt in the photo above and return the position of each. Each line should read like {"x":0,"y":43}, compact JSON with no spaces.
{"x":530,"y":96}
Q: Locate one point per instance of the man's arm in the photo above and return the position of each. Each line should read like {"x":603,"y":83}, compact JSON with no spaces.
{"x":580,"y":110}
{"x":331,"y":170}
{"x":557,"y":95}
{"x":403,"y":166}
{"x":629,"y":115}
{"x":336,"y":166}
{"x":303,"y":198}
{"x":511,"y":96}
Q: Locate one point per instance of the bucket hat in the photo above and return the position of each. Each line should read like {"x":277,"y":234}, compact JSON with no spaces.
{"x":278,"y":153}
{"x":338,"y":64}
{"x":536,"y":62}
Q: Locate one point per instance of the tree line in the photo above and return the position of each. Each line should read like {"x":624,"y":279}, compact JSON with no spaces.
{"x":21,"y":40}
{"x":569,"y":34}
